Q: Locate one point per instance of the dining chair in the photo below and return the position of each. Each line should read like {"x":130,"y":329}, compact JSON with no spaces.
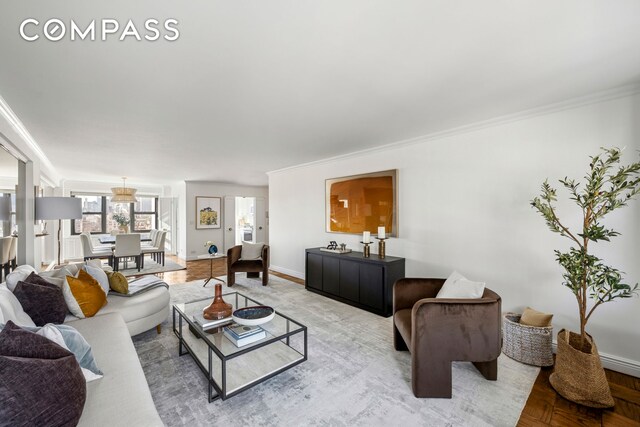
{"x":156,"y":249}
{"x":5,"y":249}
{"x":90,"y":252}
{"x":13,"y":250}
{"x":127,"y":246}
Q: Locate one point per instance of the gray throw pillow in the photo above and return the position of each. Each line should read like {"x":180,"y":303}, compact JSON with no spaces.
{"x":251,"y":251}
{"x":42,"y":383}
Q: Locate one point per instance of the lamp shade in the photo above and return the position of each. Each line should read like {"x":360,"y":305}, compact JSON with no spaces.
{"x":58,"y":208}
{"x":5,"y":208}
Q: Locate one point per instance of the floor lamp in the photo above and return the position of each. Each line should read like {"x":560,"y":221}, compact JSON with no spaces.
{"x":58,"y":208}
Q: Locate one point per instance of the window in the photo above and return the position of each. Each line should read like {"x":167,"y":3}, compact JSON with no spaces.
{"x":92,"y":215}
{"x":98,"y":212}
{"x":145,"y":214}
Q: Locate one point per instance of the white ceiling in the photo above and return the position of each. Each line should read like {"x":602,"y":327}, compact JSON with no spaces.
{"x":253,"y":86}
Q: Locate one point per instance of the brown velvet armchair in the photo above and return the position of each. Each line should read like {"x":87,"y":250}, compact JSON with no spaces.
{"x":252,"y":267}
{"x":439,"y":331}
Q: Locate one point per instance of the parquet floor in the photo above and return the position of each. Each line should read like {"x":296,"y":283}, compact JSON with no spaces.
{"x":544,"y":407}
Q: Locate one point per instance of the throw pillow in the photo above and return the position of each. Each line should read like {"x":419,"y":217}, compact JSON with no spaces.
{"x":251,"y":251}
{"x":58,"y":276}
{"x":84,"y":295}
{"x":42,"y":383}
{"x":11,"y":310}
{"x":36,"y":279}
{"x":69,"y":338}
{"x":532,"y":317}
{"x":43,"y":303}
{"x":118,"y":282}
{"x":458,"y":286}
{"x":17,"y":275}
{"x":98,"y":274}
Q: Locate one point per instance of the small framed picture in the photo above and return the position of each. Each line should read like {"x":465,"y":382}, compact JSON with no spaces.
{"x":208,"y":214}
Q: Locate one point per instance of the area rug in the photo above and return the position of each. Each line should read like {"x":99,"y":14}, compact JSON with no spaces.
{"x":353,"y":376}
{"x":151,"y":267}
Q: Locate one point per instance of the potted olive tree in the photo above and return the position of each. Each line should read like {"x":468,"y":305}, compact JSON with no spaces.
{"x":578,"y":374}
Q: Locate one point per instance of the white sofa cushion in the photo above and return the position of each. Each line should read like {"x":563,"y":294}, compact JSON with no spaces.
{"x":140,"y":312}
{"x":122,"y":396}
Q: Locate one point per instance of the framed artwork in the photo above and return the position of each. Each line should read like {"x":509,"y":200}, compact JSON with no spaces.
{"x":208,"y":214}
{"x":358,"y":203}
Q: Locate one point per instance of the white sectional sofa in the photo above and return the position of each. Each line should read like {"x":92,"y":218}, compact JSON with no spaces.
{"x":121,"y":397}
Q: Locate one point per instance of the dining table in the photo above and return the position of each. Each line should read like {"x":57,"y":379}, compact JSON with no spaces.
{"x":111,"y":240}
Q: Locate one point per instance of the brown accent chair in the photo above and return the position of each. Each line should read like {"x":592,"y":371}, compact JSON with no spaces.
{"x":252,"y":267}
{"x":439,"y":331}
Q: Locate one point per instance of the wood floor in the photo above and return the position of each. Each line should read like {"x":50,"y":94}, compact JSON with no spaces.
{"x":544,"y":407}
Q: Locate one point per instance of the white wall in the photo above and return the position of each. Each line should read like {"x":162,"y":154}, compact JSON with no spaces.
{"x":195,"y":238}
{"x":464,"y":205}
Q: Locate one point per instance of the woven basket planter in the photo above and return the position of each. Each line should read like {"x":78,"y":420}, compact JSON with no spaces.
{"x":527,"y":344}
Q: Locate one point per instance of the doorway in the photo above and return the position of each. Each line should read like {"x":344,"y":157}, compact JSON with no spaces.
{"x":244,"y":220}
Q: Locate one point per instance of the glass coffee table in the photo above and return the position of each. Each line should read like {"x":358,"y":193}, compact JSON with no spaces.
{"x":230,"y":369}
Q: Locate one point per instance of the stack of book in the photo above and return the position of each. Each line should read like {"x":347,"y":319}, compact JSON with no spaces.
{"x":242,"y":335}
{"x":209,"y":324}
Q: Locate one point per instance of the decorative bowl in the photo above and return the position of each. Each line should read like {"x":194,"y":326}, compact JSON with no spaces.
{"x":255,"y":315}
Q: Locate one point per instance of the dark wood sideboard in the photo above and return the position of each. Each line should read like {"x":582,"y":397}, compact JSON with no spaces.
{"x":366,"y":283}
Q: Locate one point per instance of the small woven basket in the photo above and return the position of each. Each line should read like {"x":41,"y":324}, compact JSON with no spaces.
{"x":527,"y":344}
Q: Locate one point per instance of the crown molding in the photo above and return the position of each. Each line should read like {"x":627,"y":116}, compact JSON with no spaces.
{"x":611,"y":94}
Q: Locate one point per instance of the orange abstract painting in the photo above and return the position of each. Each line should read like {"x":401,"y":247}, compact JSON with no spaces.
{"x":362,"y":203}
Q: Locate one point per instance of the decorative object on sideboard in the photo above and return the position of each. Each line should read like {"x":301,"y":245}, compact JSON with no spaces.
{"x":333,"y":247}
{"x":381,"y":245}
{"x":254,"y":315}
{"x":218,"y":309}
{"x":366,"y":241}
{"x":578,"y":375}
{"x":123,"y":194}
{"x":59,"y":208}
{"x":358,"y":203}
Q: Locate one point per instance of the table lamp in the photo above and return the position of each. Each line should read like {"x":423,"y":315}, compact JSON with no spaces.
{"x":58,"y":208}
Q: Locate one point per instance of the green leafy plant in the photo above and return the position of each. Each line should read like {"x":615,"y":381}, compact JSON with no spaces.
{"x":605,"y":190}
{"x":121,"y":219}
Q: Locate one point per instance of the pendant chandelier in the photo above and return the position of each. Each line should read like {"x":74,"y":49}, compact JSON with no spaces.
{"x":123,"y":194}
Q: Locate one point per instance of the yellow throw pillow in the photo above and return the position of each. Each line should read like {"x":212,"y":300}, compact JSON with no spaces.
{"x":117,"y":282}
{"x":532,"y":317}
{"x":84,"y":295}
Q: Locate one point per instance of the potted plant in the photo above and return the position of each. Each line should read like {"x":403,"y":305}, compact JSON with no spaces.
{"x":123,"y":222}
{"x":578,"y":374}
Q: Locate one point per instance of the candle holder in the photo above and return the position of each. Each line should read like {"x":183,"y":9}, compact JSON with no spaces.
{"x":367,"y":249}
{"x":381,"y":247}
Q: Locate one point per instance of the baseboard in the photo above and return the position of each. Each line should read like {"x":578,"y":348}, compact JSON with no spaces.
{"x":287,"y":271}
{"x":616,"y":363}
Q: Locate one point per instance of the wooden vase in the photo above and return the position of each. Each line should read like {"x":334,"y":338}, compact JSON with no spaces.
{"x":218,"y":308}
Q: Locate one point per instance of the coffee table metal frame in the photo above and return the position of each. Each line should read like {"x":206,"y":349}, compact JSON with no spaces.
{"x":221,"y":389}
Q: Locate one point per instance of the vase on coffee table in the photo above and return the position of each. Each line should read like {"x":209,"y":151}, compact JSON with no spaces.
{"x":218,"y":309}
